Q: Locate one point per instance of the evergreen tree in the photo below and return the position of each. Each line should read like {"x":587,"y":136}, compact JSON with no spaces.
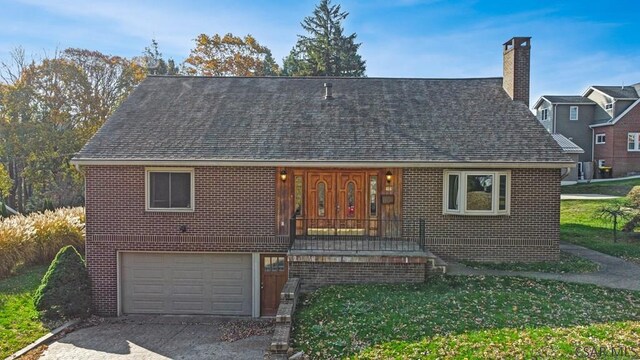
{"x":155,"y":63}
{"x":65,"y":291}
{"x":326,"y":51}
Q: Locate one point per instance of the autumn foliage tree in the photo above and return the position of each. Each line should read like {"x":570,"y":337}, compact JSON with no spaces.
{"x":48,"y":110}
{"x":230,"y":55}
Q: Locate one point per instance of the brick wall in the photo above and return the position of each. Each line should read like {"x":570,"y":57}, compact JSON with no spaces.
{"x":234,"y":212}
{"x":530,"y":233}
{"x":316,"y":274}
{"x":614,"y":151}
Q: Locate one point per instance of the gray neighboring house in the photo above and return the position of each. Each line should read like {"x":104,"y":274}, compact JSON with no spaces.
{"x":578,"y":118}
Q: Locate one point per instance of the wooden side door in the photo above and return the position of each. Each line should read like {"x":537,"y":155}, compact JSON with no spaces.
{"x":351,"y":206}
{"x":321,"y":203}
{"x":273,"y":276}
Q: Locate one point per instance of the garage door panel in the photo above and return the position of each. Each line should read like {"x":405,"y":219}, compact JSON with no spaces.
{"x":146,"y":274}
{"x":141,"y":289}
{"x":189,"y":306}
{"x":173,"y":283}
{"x":188,"y":290}
{"x":148,"y":306}
{"x":143,"y":258}
{"x":187,"y":275}
{"x":227,"y":276}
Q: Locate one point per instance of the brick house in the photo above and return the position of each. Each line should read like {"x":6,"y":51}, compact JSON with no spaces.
{"x":604,"y":121}
{"x":204,"y":194}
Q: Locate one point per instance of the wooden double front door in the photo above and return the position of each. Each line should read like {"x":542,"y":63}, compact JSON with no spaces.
{"x":336,"y":195}
{"x":338,"y":202}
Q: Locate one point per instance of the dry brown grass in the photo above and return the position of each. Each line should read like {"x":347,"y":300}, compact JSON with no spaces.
{"x":37,"y":238}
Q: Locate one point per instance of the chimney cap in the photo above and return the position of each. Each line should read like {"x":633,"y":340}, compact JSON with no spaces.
{"x":518,"y":42}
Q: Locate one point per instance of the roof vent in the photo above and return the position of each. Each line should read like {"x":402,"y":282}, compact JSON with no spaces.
{"x":328,"y":94}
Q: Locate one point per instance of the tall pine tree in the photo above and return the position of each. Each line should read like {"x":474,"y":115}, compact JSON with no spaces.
{"x":326,"y":51}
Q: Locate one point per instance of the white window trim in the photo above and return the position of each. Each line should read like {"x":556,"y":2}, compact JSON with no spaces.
{"x":608,"y":106}
{"x":600,"y":142}
{"x":147,"y":190}
{"x":637,"y":141}
{"x":577,"y":113}
{"x":462,"y":198}
{"x":544,"y":114}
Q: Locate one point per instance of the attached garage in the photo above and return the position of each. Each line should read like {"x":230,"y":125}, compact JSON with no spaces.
{"x":189,"y":283}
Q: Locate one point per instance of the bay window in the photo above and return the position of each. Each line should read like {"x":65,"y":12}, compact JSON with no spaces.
{"x":477,"y":192}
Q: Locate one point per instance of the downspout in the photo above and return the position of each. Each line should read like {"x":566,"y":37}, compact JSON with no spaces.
{"x":555,"y":130}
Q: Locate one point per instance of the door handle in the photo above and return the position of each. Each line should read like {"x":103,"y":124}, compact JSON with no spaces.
{"x":261,"y":286}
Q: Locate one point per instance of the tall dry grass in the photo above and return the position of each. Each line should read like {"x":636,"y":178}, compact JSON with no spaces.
{"x":36,"y":238}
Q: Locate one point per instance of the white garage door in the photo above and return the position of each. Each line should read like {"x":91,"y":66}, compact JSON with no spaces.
{"x":163,"y":283}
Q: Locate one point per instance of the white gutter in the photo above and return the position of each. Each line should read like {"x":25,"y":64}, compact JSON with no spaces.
{"x":323,"y":164}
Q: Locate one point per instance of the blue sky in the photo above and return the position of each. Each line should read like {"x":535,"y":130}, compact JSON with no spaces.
{"x":575,"y":43}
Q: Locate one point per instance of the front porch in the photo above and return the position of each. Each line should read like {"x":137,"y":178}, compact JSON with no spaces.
{"x":357,"y":236}
{"x":339,"y":251}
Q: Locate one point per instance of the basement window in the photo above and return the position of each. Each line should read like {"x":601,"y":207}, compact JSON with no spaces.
{"x":477,"y":192}
{"x":169,"y":189}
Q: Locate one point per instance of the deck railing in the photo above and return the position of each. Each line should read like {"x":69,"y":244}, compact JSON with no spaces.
{"x":356,"y":234}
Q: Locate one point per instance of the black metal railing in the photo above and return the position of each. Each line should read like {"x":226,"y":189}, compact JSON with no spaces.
{"x":356,"y":234}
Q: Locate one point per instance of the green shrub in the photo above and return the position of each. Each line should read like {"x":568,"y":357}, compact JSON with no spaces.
{"x":65,"y":291}
{"x":36,"y":238}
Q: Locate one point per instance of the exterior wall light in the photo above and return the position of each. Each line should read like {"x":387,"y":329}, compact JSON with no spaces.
{"x":389,"y":175}
{"x":283,"y":175}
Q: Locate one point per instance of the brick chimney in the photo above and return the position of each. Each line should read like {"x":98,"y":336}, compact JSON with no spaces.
{"x":515,"y":68}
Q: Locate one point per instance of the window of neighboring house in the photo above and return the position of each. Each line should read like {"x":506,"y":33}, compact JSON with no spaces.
{"x":544,"y":114}
{"x":169,"y":189}
{"x":477,"y":192}
{"x":634,"y":141}
{"x":608,"y":106}
{"x":573,"y":113}
{"x":600,"y":138}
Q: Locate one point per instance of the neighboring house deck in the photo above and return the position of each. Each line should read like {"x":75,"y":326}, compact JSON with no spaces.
{"x":204,"y":194}
{"x":604,"y":121}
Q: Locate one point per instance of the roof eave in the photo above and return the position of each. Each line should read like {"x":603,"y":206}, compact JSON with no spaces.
{"x":320,"y":163}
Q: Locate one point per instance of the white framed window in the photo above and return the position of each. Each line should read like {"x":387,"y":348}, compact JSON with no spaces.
{"x":633,"y":141}
{"x":169,"y":189}
{"x":544,"y":114}
{"x":608,"y":106}
{"x":477,"y":192}
{"x":573,"y":113}
{"x":600,"y":138}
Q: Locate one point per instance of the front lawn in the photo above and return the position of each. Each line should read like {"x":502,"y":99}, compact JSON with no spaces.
{"x":472,"y":315}
{"x":567,"y":263}
{"x":19,"y":323}
{"x":614,"y":188}
{"x":579,"y":224}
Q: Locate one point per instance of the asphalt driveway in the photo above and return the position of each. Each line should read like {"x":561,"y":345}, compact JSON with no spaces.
{"x":166,"y":337}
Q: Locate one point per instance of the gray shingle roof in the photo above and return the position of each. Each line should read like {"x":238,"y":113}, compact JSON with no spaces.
{"x":618,"y":92}
{"x":288,"y":119}
{"x":567,"y":145}
{"x":569,"y":99}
